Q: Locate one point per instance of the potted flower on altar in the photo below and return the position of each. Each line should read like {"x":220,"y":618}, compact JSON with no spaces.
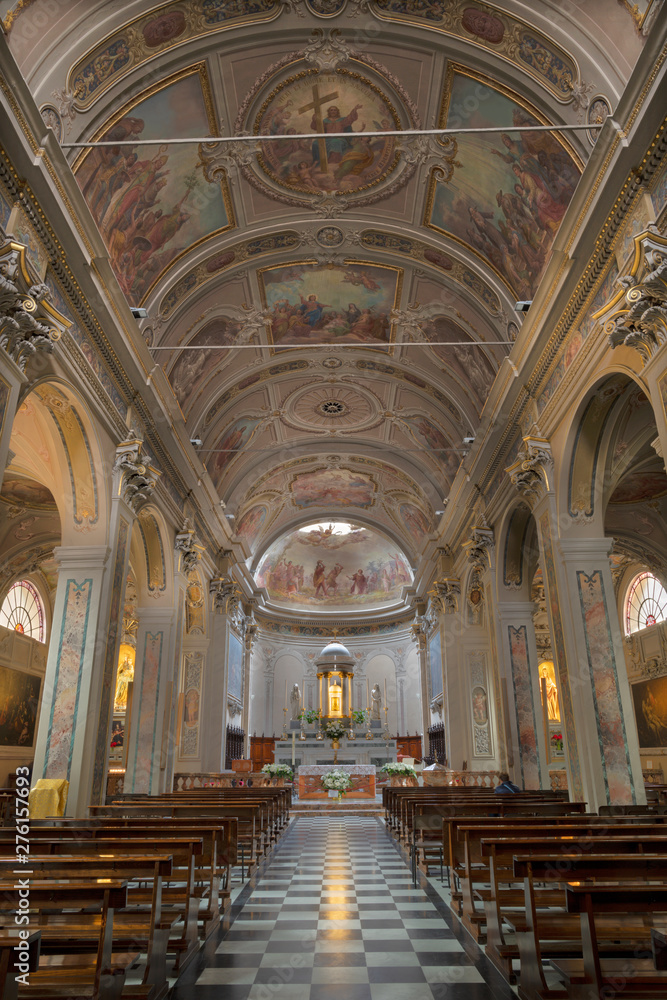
{"x":309,"y":715}
{"x":335,"y":731}
{"x":359,"y":716}
{"x":400,"y":774}
{"x":337,"y":783}
{"x":279,"y":773}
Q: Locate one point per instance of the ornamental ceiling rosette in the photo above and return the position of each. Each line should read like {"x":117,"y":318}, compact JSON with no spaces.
{"x":324,"y":89}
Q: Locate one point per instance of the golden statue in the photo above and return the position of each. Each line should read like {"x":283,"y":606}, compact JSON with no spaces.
{"x":124,"y":678}
{"x":548,"y":673}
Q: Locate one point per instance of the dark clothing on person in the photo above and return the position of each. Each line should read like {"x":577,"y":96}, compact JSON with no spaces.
{"x":506,"y":787}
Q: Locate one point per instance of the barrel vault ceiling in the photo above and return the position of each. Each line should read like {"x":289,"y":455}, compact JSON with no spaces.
{"x":331,"y":314}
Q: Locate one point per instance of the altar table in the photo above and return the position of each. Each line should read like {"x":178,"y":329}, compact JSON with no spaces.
{"x":310,"y":780}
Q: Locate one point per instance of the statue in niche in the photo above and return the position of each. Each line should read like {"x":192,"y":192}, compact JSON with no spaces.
{"x":547,"y":672}
{"x":295,"y":702}
{"x":376,"y":702}
{"x":124,"y":678}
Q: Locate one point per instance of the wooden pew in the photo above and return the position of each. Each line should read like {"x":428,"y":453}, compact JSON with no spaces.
{"x":9,"y":959}
{"x":252,"y":834}
{"x":504,"y":899}
{"x":612,"y":921}
{"x":98,"y":974}
{"x":107,"y":841}
{"x":143,"y":924}
{"x":222,"y":831}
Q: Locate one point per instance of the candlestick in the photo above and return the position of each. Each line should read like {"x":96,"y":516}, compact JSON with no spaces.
{"x":285,"y":694}
{"x":385,"y":691}
{"x":293,"y":738}
{"x":368,"y":694}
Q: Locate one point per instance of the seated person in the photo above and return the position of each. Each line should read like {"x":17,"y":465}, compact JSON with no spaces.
{"x":506,"y":786}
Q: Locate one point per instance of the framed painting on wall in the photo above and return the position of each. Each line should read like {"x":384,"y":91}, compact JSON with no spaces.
{"x":19,"y":705}
{"x":650,"y":701}
{"x":118,"y":742}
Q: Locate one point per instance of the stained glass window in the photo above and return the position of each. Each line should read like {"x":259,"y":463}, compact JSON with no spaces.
{"x":646,"y":603}
{"x":22,"y":610}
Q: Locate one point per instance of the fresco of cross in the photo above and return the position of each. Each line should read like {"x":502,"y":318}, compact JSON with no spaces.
{"x":316,"y":106}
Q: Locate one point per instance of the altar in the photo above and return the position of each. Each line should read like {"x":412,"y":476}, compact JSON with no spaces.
{"x":362,"y":775}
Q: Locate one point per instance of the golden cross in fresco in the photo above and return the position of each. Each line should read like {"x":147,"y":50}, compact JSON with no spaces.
{"x":335,"y":633}
{"x":316,"y":105}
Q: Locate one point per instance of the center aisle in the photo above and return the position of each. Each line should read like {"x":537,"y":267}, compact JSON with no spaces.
{"x":333,"y":915}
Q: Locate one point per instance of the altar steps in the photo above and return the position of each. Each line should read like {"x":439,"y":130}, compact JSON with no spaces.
{"x":368,"y":808}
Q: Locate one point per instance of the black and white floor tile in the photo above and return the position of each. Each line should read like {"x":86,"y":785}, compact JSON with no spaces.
{"x":333,"y":914}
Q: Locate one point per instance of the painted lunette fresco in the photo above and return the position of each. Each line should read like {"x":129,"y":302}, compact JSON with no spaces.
{"x":110,"y":663}
{"x":572,"y":749}
{"x":153,"y":205}
{"x":67,"y":680}
{"x":523,"y":182}
{"x":525,"y":707}
{"x":617,"y":770}
{"x":147,"y":710}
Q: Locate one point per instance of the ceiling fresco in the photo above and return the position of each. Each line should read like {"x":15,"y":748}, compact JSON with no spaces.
{"x":505,"y":194}
{"x":403,"y":255}
{"x":151,"y":204}
{"x":330,"y":304}
{"x":333,"y":565}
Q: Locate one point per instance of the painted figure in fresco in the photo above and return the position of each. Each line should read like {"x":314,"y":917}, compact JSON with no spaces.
{"x":334,"y":123}
{"x":480,"y":711}
{"x":295,"y":702}
{"x":332,"y":579}
{"x":312,"y":309}
{"x":192,"y":707}
{"x":359,"y":581}
{"x":376,"y":702}
{"x":319,"y":579}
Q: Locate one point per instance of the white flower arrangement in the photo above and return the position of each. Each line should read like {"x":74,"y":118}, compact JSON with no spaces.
{"x":394,"y":768}
{"x":337,"y":781}
{"x":278,"y":771}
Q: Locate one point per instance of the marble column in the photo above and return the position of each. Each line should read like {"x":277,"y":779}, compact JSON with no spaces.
{"x":12,"y":380}
{"x":520,"y":670}
{"x":611,"y":765}
{"x":153,"y":676}
{"x":72,"y":692}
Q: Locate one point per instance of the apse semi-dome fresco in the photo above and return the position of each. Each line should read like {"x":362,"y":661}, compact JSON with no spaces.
{"x":333,"y":564}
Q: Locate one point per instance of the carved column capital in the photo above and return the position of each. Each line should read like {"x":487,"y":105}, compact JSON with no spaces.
{"x":226,"y":595}
{"x":479,"y":547}
{"x":26,"y":326}
{"x":532,"y":472}
{"x":445,"y":595}
{"x":185,"y":543}
{"x":133,"y":479}
{"x":638,"y":318}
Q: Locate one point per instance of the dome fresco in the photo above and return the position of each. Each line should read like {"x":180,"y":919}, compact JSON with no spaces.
{"x":333,"y":564}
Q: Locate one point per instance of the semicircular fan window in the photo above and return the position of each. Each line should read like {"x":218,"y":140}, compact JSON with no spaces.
{"x":646,"y":603}
{"x":22,"y":610}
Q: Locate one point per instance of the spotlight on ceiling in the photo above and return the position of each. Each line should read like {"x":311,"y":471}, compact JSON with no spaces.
{"x":524,"y":306}
{"x":138,"y":312}
{"x":230,"y":516}
{"x":197,"y":442}
{"x":468,"y":441}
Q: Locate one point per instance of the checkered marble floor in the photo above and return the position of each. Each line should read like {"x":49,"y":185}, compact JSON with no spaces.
{"x":332,"y":914}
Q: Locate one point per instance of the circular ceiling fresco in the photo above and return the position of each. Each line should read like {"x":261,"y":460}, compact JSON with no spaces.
{"x":333,"y":564}
{"x":349,"y":104}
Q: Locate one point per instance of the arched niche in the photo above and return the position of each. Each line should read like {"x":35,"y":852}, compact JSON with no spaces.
{"x":54,"y":441}
{"x":519,"y":553}
{"x":587,"y":471}
{"x":151,"y":557}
